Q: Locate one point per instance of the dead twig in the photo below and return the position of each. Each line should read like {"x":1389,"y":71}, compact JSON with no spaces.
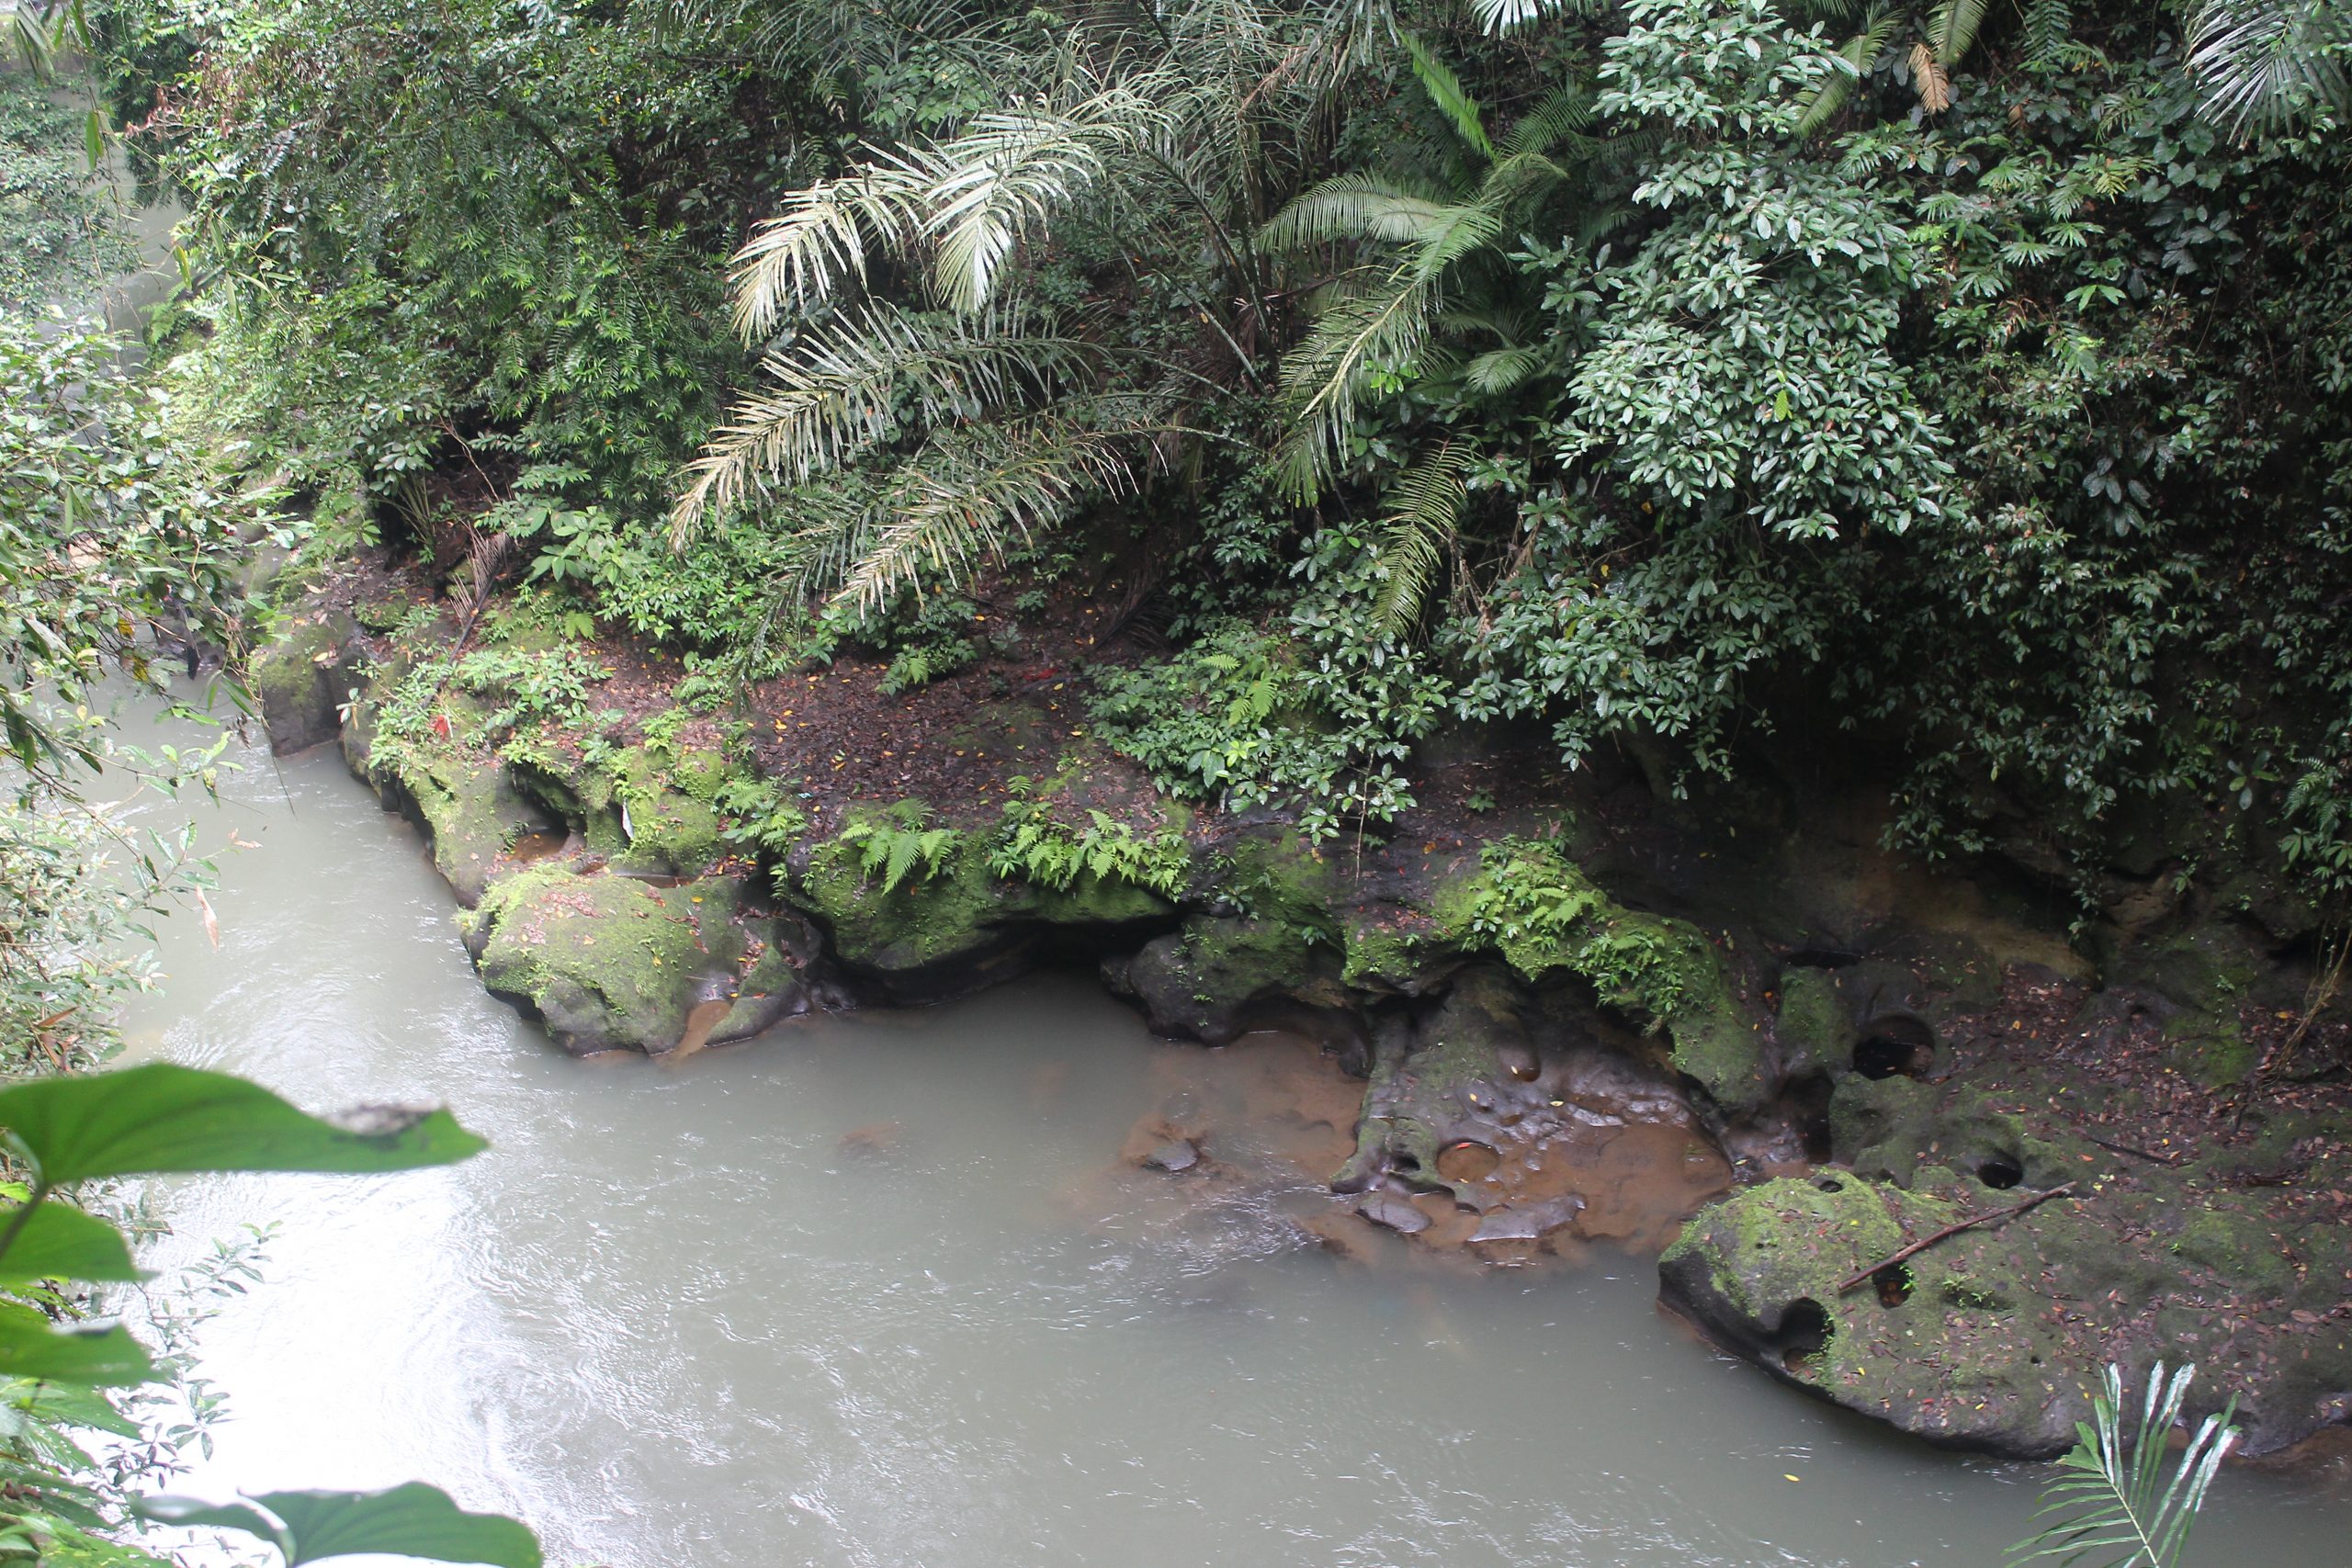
{"x":1916,"y":1247}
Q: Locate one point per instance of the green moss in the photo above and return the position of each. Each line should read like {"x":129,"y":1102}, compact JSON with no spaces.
{"x":607,"y":960}
{"x":1536,"y":909}
{"x":1814,"y":1027}
{"x":917,"y":925}
{"x":2240,"y":1246}
{"x":469,"y":807}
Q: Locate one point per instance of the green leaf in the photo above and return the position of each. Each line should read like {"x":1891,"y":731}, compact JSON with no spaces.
{"x":94,"y":139}
{"x":59,"y":1242}
{"x":29,"y":1348}
{"x":163,"y":1118}
{"x":415,"y":1520}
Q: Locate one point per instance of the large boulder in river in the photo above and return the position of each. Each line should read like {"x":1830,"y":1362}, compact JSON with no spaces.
{"x":2237,"y":1259}
{"x":611,"y":962}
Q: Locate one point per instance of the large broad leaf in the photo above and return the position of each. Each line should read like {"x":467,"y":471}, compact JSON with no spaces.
{"x":29,"y":1348}
{"x":415,"y":1520}
{"x":58,"y":1241}
{"x":164,"y":1118}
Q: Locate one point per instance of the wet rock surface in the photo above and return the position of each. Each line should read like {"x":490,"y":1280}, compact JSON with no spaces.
{"x":1497,"y":1083}
{"x":2193,"y":1230}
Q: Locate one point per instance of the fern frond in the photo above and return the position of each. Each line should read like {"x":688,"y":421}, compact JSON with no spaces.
{"x":2113,"y":1497}
{"x":1445,"y":90}
{"x":842,"y":387}
{"x":1423,"y":513}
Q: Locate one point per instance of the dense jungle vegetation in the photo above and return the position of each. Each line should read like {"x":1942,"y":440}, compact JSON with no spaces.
{"x":1964,"y":377}
{"x":1960,"y":384}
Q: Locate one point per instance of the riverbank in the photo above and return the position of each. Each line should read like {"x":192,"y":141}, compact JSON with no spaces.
{"x":1863,"y":1053}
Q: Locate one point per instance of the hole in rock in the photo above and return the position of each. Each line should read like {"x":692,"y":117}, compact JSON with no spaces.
{"x":2000,"y":1172}
{"x":1896,"y":1047}
{"x":1894,"y":1285}
{"x":1468,"y":1161}
{"x":1804,"y":1334}
{"x":1830,"y":1184}
{"x":537,"y":845}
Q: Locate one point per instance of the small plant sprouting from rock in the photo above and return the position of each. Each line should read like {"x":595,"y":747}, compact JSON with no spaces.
{"x":1037,"y":846}
{"x":2114,"y":1506}
{"x":899,"y":845}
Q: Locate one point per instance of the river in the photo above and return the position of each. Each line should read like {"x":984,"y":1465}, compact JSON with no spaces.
{"x":879,"y":1289}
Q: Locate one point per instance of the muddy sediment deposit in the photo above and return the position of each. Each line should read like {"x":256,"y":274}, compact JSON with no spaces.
{"x":1569,"y":1014}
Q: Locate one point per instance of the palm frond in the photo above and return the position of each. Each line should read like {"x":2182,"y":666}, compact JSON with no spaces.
{"x":2263,"y":64}
{"x":1501,"y":369}
{"x":818,"y":241}
{"x":1953,"y":28}
{"x":842,"y":387}
{"x":1004,"y":177}
{"x":1859,"y":53}
{"x":960,"y":499}
{"x":1354,"y":207}
{"x":2048,"y":25}
{"x":1929,"y":80}
{"x":968,"y":202}
{"x":2112,"y":1498}
{"x":1502,"y":15}
{"x":1446,"y":91}
{"x":1386,"y":323}
{"x":1566,"y":111}
{"x":1424,"y":510}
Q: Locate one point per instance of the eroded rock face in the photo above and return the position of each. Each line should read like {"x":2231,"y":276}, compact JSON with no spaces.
{"x":612,"y":962}
{"x":301,"y":680}
{"x":1993,"y":1337}
{"x":1960,"y":1358}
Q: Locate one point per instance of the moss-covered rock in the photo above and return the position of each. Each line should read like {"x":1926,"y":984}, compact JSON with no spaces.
{"x":1952,"y":1347}
{"x":1220,"y":977}
{"x":301,"y":680}
{"x":1813,"y":1025}
{"x":612,"y":962}
{"x":466,"y":805}
{"x":1546,"y":918}
{"x":949,"y":927}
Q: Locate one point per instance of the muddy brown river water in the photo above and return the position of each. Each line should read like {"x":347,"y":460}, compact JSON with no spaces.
{"x":891,"y":1290}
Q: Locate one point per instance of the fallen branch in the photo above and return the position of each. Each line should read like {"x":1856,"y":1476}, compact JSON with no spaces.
{"x":2127,"y":1149}
{"x":1916,"y":1247}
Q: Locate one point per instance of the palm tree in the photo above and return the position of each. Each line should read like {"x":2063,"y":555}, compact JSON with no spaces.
{"x":1431,"y":294}
{"x":903,"y":346}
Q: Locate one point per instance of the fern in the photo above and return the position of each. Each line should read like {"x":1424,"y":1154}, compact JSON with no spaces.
{"x":898,"y":848}
{"x":1424,"y":510}
{"x":1036,"y":846}
{"x":2113,"y":1503}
